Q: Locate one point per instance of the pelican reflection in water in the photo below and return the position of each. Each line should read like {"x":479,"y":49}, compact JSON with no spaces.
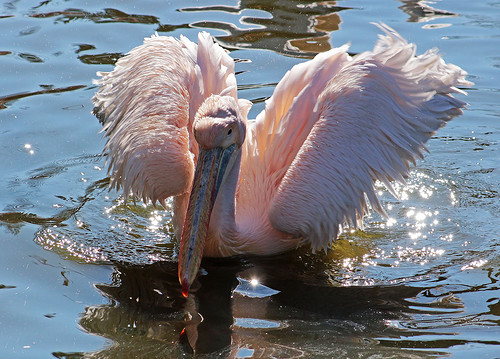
{"x":148,"y":316}
{"x":305,"y":167}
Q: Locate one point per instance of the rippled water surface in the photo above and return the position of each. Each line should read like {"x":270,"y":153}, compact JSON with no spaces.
{"x":85,"y":274}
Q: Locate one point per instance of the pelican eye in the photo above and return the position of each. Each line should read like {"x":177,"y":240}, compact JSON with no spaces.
{"x":229,"y":131}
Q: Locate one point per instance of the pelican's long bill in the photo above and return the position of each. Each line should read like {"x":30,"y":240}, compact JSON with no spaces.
{"x":210,"y":169}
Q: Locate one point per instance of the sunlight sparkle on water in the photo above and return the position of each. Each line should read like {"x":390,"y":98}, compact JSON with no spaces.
{"x":425,"y":192}
{"x":447,"y":237}
{"x":422,"y":221}
{"x":420,"y":216}
{"x":109,"y":210}
{"x":253,"y":289}
{"x":475,"y":264}
{"x":453,"y":198}
{"x":155,"y":221}
{"x":51,"y":240}
{"x":29,"y":149}
{"x":419,"y":256}
{"x":391,"y":222}
{"x":415,"y":235}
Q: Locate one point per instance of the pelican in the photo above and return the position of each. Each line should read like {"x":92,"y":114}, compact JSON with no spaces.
{"x":299,"y":172}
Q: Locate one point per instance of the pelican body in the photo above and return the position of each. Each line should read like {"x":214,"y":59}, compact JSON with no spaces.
{"x":296,"y":174}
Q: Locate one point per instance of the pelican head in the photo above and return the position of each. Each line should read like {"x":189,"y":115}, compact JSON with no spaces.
{"x":219,"y":130}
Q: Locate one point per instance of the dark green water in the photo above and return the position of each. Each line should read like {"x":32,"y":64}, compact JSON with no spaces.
{"x":85,"y":275}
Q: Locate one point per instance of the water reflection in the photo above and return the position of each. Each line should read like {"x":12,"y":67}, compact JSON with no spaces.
{"x":240,"y":306}
{"x":287,"y":27}
{"x":47,"y":89}
{"x":100,"y":17}
{"x":421,"y":11}
{"x":105,"y":16}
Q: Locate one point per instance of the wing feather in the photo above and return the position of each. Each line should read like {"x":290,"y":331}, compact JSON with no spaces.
{"x":374,"y":117}
{"x":147,"y":105}
{"x":275,"y":137}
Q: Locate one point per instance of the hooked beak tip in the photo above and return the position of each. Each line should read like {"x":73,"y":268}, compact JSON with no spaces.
{"x":185,"y":287}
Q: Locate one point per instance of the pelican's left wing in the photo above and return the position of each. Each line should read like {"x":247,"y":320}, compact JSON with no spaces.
{"x":374,"y":117}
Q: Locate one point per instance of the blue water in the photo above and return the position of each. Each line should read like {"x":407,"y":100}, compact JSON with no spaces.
{"x":84,"y":274}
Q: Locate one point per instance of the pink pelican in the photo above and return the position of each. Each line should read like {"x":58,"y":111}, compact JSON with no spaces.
{"x":296,"y":174}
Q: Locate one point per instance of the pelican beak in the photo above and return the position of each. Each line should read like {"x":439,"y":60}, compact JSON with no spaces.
{"x":210,"y":169}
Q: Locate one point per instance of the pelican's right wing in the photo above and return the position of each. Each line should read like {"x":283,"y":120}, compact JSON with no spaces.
{"x":147,"y":105}
{"x":374,"y":117}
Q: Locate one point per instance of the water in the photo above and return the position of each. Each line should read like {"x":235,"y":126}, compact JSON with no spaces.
{"x":84,"y":274}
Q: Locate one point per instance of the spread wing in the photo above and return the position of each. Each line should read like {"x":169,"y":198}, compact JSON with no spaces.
{"x":274,"y":138}
{"x":371,"y":120}
{"x":147,"y":105}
